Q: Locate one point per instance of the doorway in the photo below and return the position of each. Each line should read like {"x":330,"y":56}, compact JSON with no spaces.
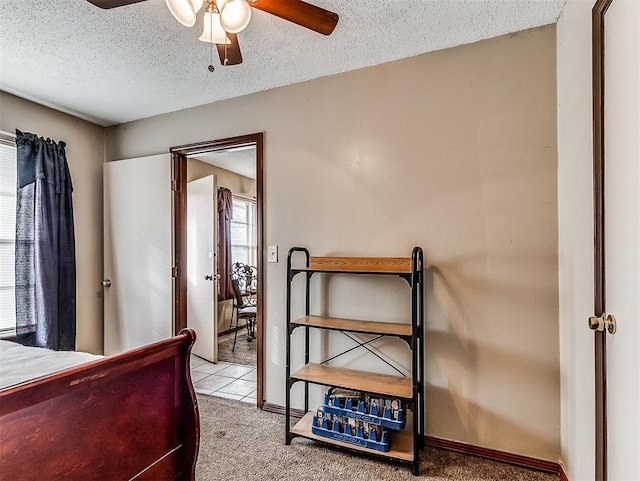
{"x":235,"y":166}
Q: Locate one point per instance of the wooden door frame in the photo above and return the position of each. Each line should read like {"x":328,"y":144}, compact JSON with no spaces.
{"x":598,"y":25}
{"x":179,"y":186}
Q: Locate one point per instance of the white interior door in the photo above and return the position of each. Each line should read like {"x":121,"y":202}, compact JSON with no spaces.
{"x":202,"y":293}
{"x":622,"y":236}
{"x":137,"y":252}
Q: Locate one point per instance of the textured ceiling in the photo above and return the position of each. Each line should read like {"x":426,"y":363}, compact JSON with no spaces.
{"x":241,"y":161}
{"x":113,"y":66}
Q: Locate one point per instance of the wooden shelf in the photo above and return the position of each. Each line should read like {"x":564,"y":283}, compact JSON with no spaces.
{"x":352,"y":325}
{"x":405,"y":444}
{"x":401,"y":441}
{"x":384,"y":384}
{"x":359,"y":265}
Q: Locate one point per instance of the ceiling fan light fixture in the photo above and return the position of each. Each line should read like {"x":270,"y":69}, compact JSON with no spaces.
{"x":223,"y":19}
{"x":213,"y":31}
{"x":234,"y":15}
{"x":183,"y":11}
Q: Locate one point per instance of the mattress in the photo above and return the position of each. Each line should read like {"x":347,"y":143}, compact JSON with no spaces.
{"x":20,"y":363}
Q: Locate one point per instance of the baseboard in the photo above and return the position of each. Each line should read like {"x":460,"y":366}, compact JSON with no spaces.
{"x":494,"y":454}
{"x":563,"y":474}
{"x":460,"y":447}
{"x":233,"y":329}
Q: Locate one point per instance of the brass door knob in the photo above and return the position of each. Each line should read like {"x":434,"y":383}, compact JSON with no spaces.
{"x":605,"y":321}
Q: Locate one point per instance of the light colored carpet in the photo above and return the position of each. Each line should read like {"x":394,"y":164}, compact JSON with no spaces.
{"x":241,"y":443}
{"x":244,"y":353}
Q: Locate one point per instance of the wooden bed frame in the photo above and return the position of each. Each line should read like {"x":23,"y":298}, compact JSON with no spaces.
{"x":131,"y":416}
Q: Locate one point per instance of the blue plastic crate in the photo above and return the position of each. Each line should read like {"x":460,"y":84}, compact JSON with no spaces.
{"x":340,"y":434}
{"x":360,"y":414}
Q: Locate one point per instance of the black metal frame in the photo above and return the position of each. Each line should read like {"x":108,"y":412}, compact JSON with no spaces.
{"x":415,"y":341}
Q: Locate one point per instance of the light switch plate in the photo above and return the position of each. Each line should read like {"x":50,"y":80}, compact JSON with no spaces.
{"x":272,"y":254}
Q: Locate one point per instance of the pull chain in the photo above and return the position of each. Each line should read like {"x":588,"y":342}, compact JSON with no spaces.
{"x":211,"y":67}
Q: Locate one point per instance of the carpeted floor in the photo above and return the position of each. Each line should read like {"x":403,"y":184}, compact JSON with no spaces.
{"x":244,"y":353}
{"x":241,"y":443}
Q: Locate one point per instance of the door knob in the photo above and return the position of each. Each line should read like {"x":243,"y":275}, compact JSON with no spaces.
{"x":208,"y":278}
{"x":106,"y":283}
{"x":605,"y":321}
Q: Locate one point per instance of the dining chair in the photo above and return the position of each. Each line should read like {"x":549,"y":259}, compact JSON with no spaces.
{"x":244,"y":286}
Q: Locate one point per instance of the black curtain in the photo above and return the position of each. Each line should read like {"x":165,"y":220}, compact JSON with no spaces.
{"x":45,"y":245}
{"x":225,"y":214}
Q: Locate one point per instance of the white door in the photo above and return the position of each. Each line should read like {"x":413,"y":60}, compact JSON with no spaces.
{"x":137,"y":252}
{"x":622,"y":236}
{"x":202,"y":292}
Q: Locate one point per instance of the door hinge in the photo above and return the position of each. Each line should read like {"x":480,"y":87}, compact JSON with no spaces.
{"x":605,"y":321}
{"x":174,"y":271}
{"x":174,"y":185}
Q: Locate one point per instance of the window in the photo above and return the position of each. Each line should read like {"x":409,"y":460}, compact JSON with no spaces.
{"x":243,"y":231}
{"x":8,"y":180}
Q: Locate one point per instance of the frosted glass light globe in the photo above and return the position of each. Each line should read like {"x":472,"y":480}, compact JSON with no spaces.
{"x":182,"y":11}
{"x":213,"y":31}
{"x":234,"y":15}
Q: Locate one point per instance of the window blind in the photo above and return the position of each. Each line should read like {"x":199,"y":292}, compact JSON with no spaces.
{"x":8,"y":181}
{"x":243,"y":232}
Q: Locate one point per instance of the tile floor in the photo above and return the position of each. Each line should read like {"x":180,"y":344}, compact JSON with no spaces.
{"x":230,"y":381}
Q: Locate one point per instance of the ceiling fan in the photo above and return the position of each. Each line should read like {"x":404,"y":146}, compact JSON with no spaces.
{"x":224,"y":19}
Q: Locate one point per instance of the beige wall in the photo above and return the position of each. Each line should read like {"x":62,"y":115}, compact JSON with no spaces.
{"x":575,"y":239}
{"x":85,"y":155}
{"x":238,"y":184}
{"x":454,"y":151}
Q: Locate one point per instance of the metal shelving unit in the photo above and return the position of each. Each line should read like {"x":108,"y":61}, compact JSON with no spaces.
{"x":406,"y":444}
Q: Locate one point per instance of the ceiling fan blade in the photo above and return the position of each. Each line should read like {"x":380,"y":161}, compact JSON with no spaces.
{"x":301,"y":13}
{"x":106,"y":4}
{"x":231,"y":54}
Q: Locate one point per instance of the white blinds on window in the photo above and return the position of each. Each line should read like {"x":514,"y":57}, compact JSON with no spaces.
{"x":243,"y":231}
{"x":8,"y":173}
